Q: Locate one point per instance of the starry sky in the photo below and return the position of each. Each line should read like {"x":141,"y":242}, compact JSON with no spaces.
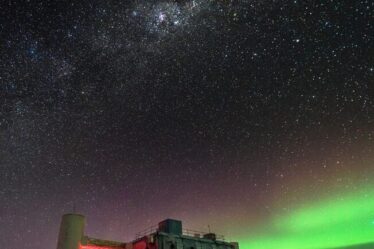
{"x":253,"y":117}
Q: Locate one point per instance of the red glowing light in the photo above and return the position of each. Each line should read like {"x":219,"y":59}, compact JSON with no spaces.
{"x":140,"y":245}
{"x":97,"y":247}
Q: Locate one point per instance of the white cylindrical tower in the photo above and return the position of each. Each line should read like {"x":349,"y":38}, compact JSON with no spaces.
{"x":71,"y":231}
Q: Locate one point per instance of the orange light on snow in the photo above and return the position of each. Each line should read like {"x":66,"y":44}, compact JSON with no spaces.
{"x":97,"y":247}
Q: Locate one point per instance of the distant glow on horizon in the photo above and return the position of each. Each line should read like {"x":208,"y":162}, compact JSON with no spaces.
{"x":97,"y":247}
{"x":335,"y":222}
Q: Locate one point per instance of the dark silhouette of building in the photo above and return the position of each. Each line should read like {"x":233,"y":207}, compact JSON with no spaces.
{"x":169,"y":234}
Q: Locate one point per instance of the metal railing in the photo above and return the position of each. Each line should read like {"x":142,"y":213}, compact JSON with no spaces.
{"x":200,"y":234}
{"x":186,"y":232}
{"x":147,"y":231}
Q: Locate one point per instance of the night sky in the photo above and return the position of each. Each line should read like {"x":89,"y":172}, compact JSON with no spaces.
{"x":253,"y":117}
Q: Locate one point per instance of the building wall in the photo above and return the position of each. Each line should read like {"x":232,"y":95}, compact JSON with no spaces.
{"x":183,"y":242}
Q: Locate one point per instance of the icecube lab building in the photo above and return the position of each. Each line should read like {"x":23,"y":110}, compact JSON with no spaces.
{"x":169,"y":234}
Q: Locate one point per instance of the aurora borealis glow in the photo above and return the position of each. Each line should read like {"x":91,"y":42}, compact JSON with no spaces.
{"x":336,"y":222}
{"x":250,"y":118}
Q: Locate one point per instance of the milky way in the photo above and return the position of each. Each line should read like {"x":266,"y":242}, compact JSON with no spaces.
{"x":223,"y":113}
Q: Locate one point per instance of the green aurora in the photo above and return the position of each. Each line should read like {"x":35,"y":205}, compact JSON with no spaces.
{"x":338,"y":221}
